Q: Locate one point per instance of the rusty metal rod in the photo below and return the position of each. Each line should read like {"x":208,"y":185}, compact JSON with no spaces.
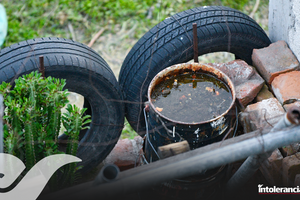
{"x":42,"y":67}
{"x":195,"y":40}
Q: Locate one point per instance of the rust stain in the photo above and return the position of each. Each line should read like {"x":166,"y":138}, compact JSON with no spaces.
{"x":159,"y":109}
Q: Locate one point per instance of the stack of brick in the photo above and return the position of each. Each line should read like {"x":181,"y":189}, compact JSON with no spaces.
{"x":279,"y":68}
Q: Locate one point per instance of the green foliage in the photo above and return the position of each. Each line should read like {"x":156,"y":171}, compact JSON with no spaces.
{"x":73,"y":121}
{"x":128,"y":131}
{"x":33,"y":117}
{"x":29,"y":19}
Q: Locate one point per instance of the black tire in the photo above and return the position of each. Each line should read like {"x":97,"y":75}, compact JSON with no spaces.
{"x":86,"y":73}
{"x":170,"y":42}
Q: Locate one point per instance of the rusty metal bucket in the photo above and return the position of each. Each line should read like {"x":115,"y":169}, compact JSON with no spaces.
{"x":163,"y":130}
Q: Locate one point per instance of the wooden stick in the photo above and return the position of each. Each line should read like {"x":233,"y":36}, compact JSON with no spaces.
{"x":96,"y":37}
{"x":173,"y":149}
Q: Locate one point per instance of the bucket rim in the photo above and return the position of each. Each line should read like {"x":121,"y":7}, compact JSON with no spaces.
{"x":192,"y":66}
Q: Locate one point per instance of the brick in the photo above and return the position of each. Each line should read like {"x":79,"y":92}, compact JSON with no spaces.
{"x":237,"y":70}
{"x":272,"y":167}
{"x":274,"y":60}
{"x":261,"y":114}
{"x":286,"y":87}
{"x":126,"y":154}
{"x":264,"y":93}
{"x":297,"y":180}
{"x":290,"y":168}
{"x":246,"y":80}
{"x":290,"y":105}
{"x":246,"y":92}
{"x":290,"y":149}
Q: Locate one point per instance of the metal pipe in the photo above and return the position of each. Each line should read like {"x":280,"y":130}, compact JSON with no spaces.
{"x":1,"y":125}
{"x":1,"y":134}
{"x":191,"y":163}
{"x":252,"y":163}
{"x":65,"y":193}
{"x":107,"y":174}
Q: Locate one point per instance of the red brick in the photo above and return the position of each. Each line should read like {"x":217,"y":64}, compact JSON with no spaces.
{"x":290,"y":168}
{"x":246,"y":80}
{"x":290,"y":105}
{"x":126,"y":154}
{"x":272,"y":167}
{"x":286,"y":87}
{"x":246,"y":92}
{"x":264,"y":93}
{"x":261,"y":114}
{"x":274,"y":60}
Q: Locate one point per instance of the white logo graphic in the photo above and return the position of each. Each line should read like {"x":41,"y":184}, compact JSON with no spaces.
{"x":32,"y":184}
{"x":278,"y":190}
{"x":219,"y":122}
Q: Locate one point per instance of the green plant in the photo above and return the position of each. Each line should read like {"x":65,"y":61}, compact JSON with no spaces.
{"x":32,"y":120}
{"x":128,"y":131}
{"x":42,"y":18}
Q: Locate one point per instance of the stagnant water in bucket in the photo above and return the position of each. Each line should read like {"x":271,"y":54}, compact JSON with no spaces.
{"x":191,"y":97}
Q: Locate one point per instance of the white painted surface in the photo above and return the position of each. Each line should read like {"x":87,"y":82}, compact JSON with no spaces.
{"x":284,"y":23}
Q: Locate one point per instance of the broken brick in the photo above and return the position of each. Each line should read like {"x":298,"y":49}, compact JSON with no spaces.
{"x":274,"y":60}
{"x":290,"y":168}
{"x":246,"y":80}
{"x":126,"y":154}
{"x":260,"y":115}
{"x":271,"y":168}
{"x":286,"y":87}
{"x":290,"y":105}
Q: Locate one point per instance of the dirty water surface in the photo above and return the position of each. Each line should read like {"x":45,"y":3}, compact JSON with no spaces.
{"x":191,"y":97}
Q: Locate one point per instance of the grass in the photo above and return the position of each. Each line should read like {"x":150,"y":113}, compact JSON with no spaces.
{"x":42,"y":18}
{"x":124,"y":20}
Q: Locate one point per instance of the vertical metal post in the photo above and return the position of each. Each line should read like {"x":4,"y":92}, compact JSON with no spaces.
{"x":195,"y":40}
{"x":1,"y":135}
{"x":42,"y":67}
